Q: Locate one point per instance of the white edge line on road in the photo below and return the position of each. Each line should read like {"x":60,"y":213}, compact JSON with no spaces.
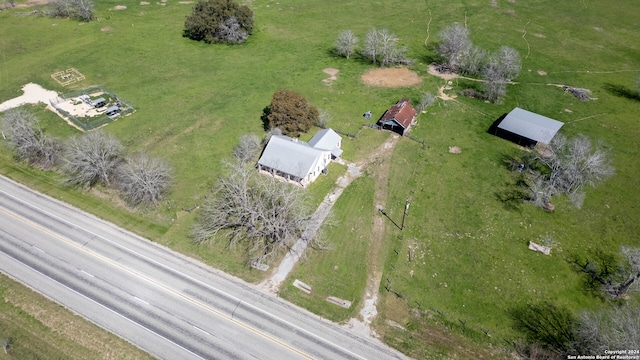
{"x":173,"y":270}
{"x":97,"y":303}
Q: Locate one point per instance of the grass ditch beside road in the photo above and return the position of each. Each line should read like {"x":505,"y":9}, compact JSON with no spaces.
{"x":37,"y":326}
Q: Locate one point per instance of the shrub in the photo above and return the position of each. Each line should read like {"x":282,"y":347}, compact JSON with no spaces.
{"x":214,"y":21}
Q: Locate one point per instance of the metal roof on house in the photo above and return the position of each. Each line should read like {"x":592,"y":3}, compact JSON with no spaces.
{"x":327,"y":139}
{"x":290,"y":156}
{"x":530,"y":125}
{"x":402,"y":112}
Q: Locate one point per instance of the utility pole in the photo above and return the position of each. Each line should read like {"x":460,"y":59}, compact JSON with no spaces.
{"x":406,"y":209}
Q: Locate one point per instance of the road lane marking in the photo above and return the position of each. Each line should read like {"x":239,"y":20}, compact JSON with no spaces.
{"x":86,"y":273}
{"x":82,"y":248}
{"x":204,"y":331}
{"x":97,"y":303}
{"x":177,"y":255}
{"x":140,"y":300}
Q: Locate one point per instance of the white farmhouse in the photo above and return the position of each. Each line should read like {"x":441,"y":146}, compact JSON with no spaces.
{"x":298,"y":161}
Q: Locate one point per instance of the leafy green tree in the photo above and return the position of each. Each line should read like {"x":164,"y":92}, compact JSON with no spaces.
{"x":214,"y":21}
{"x":290,"y":112}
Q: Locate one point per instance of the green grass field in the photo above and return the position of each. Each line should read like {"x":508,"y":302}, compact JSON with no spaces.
{"x":472,"y":265}
{"x":39,"y":329}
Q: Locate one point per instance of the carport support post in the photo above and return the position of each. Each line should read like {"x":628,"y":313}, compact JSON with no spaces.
{"x":404,"y":215}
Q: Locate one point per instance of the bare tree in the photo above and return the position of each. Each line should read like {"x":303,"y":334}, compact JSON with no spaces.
{"x":269,"y":133}
{"x":473,"y":61}
{"x":25,"y":137}
{"x":612,"y":328}
{"x":501,"y":67}
{"x":426,"y":100}
{"x":495,"y":85}
{"x":260,"y":213}
{"x":540,"y":191}
{"x":91,"y":158}
{"x":380,"y":46}
{"x":627,"y":275}
{"x":231,"y":31}
{"x":143,"y":180}
{"x":510,"y":62}
{"x":247,"y":149}
{"x":346,"y":43}
{"x":454,"y":44}
{"x":323,"y":119}
{"x":387,"y":46}
{"x":371,"y":48}
{"x":606,"y":275}
{"x":574,"y":164}
{"x":566,"y":167}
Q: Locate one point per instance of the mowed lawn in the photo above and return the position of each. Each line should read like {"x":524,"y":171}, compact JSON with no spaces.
{"x":471,"y":263}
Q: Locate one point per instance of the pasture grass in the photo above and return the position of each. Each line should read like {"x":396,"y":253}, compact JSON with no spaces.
{"x":194,"y":101}
{"x":39,"y":328}
{"x":331,"y":272}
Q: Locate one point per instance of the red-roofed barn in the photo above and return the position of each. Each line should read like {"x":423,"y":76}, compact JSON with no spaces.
{"x":399,"y":117}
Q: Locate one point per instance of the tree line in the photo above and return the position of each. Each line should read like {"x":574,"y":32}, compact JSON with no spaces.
{"x":87,"y":160}
{"x":458,"y":54}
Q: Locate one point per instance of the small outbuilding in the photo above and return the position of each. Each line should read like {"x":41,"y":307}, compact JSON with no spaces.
{"x":99,"y":102}
{"x":525,"y":127}
{"x":112,"y":111}
{"x":399,"y":117}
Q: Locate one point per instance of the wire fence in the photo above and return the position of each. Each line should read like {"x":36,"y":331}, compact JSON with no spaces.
{"x":94,"y":118}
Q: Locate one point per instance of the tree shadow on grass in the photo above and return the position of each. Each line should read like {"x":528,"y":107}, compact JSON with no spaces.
{"x":622,"y":91}
{"x":546,"y":324}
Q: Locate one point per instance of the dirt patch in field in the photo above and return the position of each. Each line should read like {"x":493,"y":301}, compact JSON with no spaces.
{"x":333,"y":75}
{"x":391,"y":77}
{"x":442,"y":95}
{"x":144,"y":3}
{"x":542,"y":72}
{"x":31,"y":3}
{"x":106,"y":28}
{"x":539,"y":36}
{"x":120,"y":7}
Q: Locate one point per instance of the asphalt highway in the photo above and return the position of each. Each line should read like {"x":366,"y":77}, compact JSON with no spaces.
{"x":167,"y":304}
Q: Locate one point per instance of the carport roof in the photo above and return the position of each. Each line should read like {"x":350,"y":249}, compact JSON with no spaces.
{"x":530,"y":125}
